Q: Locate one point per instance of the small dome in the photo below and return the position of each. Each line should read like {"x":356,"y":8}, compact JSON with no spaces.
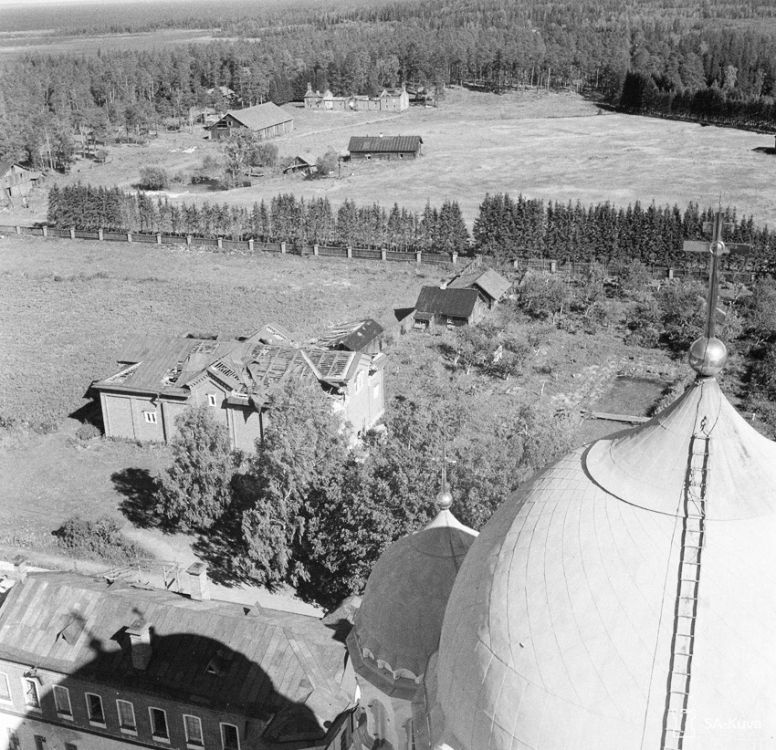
{"x":623,"y":597}
{"x":397,"y":627}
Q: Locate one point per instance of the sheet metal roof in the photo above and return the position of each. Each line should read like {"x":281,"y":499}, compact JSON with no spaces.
{"x":353,"y":336}
{"x":489,"y":281}
{"x":170,"y":364}
{"x":261,"y":116}
{"x":257,"y":663}
{"x":455,"y":303}
{"x":384,"y":144}
{"x":159,"y":364}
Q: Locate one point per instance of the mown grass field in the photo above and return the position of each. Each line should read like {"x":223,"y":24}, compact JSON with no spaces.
{"x":545,"y":145}
{"x":68,"y":306}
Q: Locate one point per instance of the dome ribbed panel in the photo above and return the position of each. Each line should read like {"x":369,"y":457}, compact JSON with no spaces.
{"x":647,"y":466}
{"x":556,"y":613}
{"x":558,"y":632}
{"x":400,"y":618}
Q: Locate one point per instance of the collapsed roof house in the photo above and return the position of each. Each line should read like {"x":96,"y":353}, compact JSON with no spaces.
{"x":162,"y":375}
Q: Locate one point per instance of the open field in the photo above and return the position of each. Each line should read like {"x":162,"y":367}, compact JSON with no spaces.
{"x":551,"y":146}
{"x":69,"y":305}
{"x":51,"y":43}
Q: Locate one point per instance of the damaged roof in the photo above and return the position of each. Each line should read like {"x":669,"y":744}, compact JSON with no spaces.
{"x":171,"y":365}
{"x":353,"y":336}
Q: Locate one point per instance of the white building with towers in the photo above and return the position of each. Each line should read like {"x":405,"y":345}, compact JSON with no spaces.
{"x":624,"y":599}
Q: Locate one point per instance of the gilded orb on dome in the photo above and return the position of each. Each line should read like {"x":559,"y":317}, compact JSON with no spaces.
{"x":444,"y":500}
{"x":707,"y":356}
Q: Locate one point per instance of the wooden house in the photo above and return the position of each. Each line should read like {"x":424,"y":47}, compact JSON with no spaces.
{"x":448,"y":306}
{"x":162,"y":375}
{"x":16,"y":181}
{"x":265,"y":120}
{"x":490,"y":284}
{"x":301,"y":164}
{"x":388,"y":100}
{"x":385,"y":147}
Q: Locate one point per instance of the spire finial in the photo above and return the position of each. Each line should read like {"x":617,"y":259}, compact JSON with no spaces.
{"x":708,"y":354}
{"x":444,"y":498}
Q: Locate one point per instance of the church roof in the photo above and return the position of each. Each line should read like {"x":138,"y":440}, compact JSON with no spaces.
{"x":623,"y":598}
{"x":397,"y":627}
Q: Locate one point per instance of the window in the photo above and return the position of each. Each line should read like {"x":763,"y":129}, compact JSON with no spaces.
{"x":127,"y":722}
{"x":71,"y":746}
{"x":230,"y":739}
{"x":31,"y":693}
{"x":94,"y":709}
{"x":159,"y":724}
{"x":40,"y":742}
{"x":150,"y":417}
{"x":211,"y":399}
{"x":5,"y":688}
{"x":193,"y":727}
{"x":62,"y":700}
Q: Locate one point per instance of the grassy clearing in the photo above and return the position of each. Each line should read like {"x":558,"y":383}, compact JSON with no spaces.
{"x":545,"y":145}
{"x":72,"y":304}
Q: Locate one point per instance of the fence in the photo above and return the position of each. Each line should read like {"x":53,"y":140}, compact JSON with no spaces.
{"x":579,"y":268}
{"x":244,"y":246}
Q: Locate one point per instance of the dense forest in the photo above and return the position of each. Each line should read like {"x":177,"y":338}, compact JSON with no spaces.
{"x":504,"y":229}
{"x":715,"y":61}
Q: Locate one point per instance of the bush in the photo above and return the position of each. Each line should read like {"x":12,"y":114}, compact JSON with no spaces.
{"x":100,"y":539}
{"x":542,"y":295}
{"x":327,"y":163}
{"x":153,"y":178}
{"x":87,"y":431}
{"x":195,"y":490}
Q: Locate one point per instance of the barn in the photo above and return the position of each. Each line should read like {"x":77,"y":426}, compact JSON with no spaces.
{"x":265,"y":120}
{"x":385,"y":147}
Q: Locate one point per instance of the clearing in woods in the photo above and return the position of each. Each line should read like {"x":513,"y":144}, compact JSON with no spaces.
{"x":553,"y":146}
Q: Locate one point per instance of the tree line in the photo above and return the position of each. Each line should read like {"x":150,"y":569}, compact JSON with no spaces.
{"x":285,"y":218}
{"x":505,"y":228}
{"x":696,"y":63}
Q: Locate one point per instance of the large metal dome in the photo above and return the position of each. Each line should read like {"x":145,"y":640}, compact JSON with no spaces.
{"x":625,"y":598}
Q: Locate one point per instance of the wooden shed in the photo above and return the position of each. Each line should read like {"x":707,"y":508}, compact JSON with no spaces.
{"x":385,"y":147}
{"x":450,"y":307}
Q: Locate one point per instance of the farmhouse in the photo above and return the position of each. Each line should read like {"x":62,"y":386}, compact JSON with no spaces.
{"x":491,"y":285}
{"x":450,"y":307}
{"x":95,"y":664}
{"x":265,"y":120}
{"x":162,"y":375}
{"x":16,"y":181}
{"x":385,"y":147}
{"x":389,"y":100}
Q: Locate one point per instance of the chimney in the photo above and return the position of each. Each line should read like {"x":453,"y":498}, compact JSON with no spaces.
{"x":20,"y":568}
{"x":139,"y":634}
{"x":199,"y":587}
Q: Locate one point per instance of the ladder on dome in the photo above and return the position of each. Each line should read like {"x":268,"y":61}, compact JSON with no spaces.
{"x":686,"y":606}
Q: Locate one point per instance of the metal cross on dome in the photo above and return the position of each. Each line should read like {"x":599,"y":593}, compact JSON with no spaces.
{"x":717,"y":248}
